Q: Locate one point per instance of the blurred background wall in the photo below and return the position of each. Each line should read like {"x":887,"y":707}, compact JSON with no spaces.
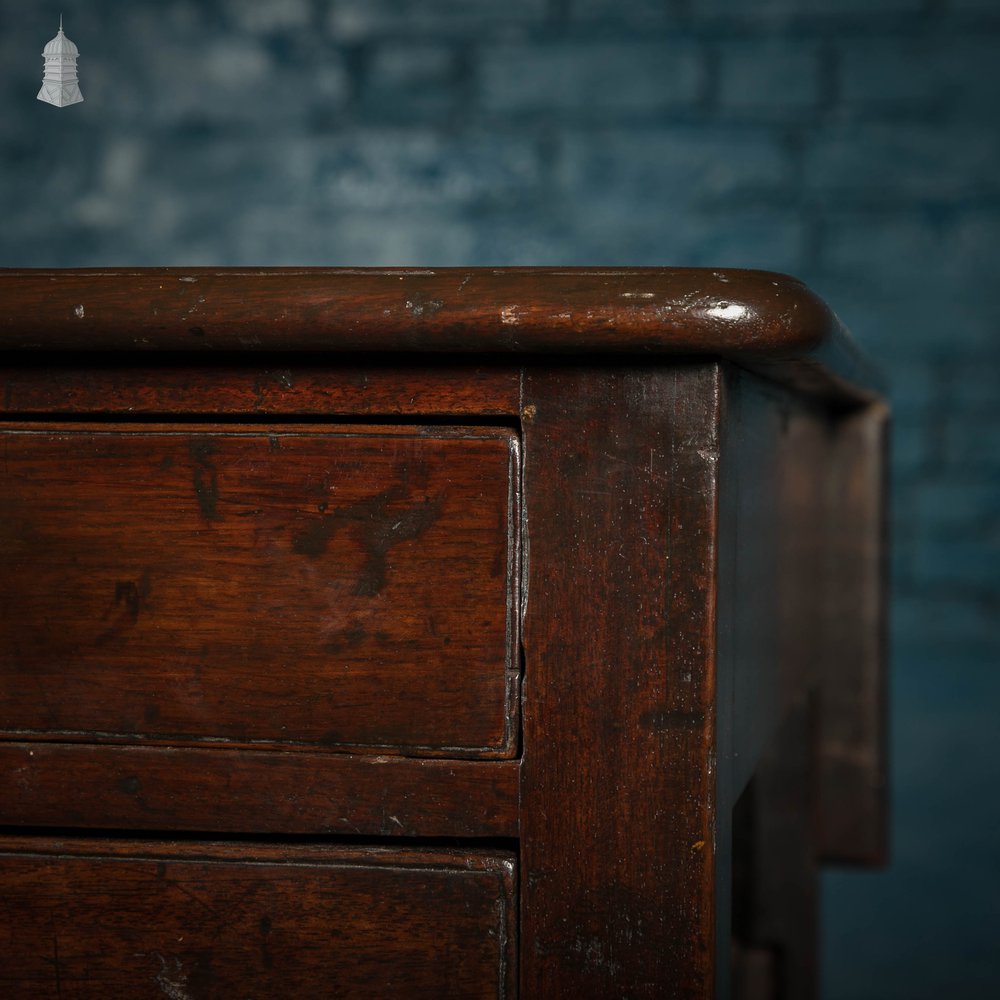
{"x":853,"y":143}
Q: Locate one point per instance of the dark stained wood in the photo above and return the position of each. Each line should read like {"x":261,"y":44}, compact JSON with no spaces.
{"x":853,"y":805}
{"x":618,"y":790}
{"x":755,"y":317}
{"x":758,"y":543}
{"x":288,"y":387}
{"x":810,"y":596}
{"x":779,"y":910}
{"x":752,"y":686}
{"x":771,"y":569}
{"x":700,"y":585}
{"x":774,"y":560}
{"x":255,"y":791}
{"x":106,"y":920}
{"x":800,"y":654}
{"x":340,"y":589}
{"x":680,"y":656}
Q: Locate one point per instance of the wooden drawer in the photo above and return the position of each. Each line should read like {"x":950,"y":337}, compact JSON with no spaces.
{"x":109,"y":919}
{"x":347,"y":588}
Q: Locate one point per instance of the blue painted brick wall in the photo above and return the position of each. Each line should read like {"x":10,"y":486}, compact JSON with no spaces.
{"x":852,"y":142}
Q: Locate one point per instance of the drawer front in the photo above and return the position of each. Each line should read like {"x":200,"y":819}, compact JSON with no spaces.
{"x":106,"y":920}
{"x":349,"y":589}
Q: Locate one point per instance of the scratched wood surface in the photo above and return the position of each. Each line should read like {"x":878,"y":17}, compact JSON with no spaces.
{"x":255,"y":791}
{"x":103,"y":920}
{"x":379,"y":386}
{"x":691,"y":540}
{"x":756,"y":318}
{"x":349,"y":589}
{"x":618,"y":798}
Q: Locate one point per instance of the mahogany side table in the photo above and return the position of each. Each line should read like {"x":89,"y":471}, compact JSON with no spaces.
{"x":432,"y":633}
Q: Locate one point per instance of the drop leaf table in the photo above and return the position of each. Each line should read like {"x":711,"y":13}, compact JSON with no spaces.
{"x":432,"y":633}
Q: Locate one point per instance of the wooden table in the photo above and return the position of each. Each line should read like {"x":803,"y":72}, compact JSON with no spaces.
{"x":432,"y":633}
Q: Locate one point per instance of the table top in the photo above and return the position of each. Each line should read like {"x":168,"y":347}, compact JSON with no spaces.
{"x":761,"y":320}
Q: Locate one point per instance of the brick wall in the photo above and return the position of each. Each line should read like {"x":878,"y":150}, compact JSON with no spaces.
{"x":851,"y":142}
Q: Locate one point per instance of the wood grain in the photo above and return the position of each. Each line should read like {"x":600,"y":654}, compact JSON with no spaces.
{"x":108,"y":920}
{"x":348,"y":589}
{"x":255,"y":791}
{"x":221,"y":617}
{"x":285,"y":387}
{"x":752,"y":317}
{"x":618,"y":789}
